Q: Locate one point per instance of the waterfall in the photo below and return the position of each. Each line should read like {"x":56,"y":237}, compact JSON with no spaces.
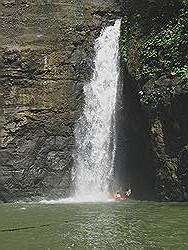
{"x":95,"y":129}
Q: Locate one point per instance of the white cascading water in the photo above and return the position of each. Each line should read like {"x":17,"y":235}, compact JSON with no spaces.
{"x":94,"y":132}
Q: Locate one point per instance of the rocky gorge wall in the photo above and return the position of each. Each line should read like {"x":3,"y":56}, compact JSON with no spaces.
{"x":46,"y":50}
{"x":154,"y":115}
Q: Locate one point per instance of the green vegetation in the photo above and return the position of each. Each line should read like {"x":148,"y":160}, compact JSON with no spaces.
{"x":162,"y":52}
{"x":160,"y":95}
{"x":154,"y":49}
{"x":123,"y":39}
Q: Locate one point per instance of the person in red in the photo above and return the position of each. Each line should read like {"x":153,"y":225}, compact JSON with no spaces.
{"x":119,"y":196}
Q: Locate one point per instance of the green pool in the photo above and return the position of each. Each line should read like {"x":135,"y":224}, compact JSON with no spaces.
{"x":131,"y":225}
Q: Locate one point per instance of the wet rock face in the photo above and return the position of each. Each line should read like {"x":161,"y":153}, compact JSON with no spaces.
{"x":153,"y":50}
{"x":46,"y":56}
{"x":134,"y":164}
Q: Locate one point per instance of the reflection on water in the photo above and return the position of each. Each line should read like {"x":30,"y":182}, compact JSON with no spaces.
{"x":131,"y":225}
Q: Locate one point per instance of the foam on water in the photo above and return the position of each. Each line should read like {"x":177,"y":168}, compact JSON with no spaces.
{"x":71,"y":200}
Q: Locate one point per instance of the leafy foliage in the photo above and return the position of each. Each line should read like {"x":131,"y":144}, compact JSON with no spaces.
{"x":164,"y":53}
{"x":161,"y":52}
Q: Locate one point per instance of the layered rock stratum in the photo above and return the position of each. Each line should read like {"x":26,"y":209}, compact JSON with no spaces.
{"x":47,"y":54}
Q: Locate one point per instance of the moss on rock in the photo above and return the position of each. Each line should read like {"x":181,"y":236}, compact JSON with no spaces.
{"x":153,"y":46}
{"x":160,"y":51}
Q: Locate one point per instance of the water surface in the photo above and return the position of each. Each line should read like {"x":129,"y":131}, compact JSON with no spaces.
{"x":131,"y":225}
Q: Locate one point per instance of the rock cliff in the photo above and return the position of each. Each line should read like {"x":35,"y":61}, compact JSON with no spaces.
{"x":46,"y":50}
{"x":154,"y":117}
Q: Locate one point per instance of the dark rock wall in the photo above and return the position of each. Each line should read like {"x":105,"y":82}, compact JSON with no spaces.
{"x":46,"y":50}
{"x":154,"y":52}
{"x":134,"y":156}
